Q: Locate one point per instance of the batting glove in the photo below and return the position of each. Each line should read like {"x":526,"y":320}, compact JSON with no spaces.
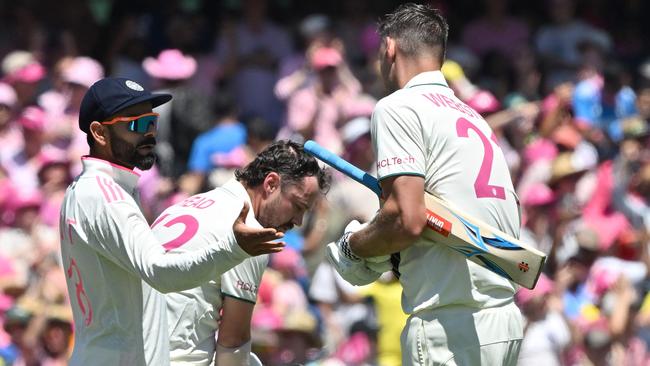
{"x":352,"y":268}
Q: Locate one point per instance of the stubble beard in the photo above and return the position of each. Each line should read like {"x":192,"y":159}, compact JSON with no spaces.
{"x":127,"y":153}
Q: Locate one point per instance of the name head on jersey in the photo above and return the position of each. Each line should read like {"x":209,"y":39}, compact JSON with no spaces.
{"x":116,"y":115}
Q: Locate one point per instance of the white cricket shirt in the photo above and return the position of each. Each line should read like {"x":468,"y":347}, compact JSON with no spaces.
{"x":424,"y":130}
{"x":115,"y":268}
{"x":193,"y":315}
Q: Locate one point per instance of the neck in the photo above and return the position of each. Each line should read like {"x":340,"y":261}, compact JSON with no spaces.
{"x":410,"y":67}
{"x":101,"y":155}
{"x":255,"y":194}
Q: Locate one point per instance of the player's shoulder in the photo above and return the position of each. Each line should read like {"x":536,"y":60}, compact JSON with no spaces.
{"x":99,"y":188}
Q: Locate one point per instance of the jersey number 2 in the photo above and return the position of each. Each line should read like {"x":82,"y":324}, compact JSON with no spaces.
{"x":190,"y":224}
{"x":482,"y":185}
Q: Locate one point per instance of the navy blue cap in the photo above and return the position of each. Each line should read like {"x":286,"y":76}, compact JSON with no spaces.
{"x":110,"y":95}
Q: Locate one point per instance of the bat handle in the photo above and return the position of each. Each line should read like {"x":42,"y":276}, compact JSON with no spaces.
{"x":343,"y":166}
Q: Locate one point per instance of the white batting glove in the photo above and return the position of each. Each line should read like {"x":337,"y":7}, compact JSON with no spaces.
{"x":351,"y":267}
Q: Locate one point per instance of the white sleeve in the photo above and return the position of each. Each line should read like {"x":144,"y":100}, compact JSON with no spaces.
{"x":243,"y":281}
{"x":123,"y":235}
{"x":398,"y":140}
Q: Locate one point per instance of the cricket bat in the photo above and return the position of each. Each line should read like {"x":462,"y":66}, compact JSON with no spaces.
{"x":479,"y":242}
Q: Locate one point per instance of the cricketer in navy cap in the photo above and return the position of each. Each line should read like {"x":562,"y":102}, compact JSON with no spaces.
{"x":117,"y":116}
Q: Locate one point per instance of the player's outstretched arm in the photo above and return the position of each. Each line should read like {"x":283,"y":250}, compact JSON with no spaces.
{"x":126,"y":238}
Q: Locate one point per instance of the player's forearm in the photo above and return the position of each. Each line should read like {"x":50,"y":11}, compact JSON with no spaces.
{"x":173,"y":272}
{"x":140,"y":251}
{"x":392,"y":230}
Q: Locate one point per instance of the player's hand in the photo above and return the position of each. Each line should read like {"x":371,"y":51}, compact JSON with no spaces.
{"x":255,"y":241}
{"x":351,"y":267}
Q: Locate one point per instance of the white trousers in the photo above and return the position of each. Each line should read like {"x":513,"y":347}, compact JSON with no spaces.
{"x":463,"y":336}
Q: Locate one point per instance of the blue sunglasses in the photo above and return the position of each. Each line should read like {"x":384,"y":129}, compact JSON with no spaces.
{"x":138,"y":124}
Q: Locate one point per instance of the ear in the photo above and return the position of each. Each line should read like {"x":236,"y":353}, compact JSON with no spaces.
{"x":271,"y":183}
{"x":391,"y":48}
{"x":99,"y":133}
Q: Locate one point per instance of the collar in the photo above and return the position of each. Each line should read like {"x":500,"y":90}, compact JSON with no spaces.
{"x":427,"y":78}
{"x":125,"y":177}
{"x":238,"y":190}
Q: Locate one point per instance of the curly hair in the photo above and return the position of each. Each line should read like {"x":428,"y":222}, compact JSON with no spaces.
{"x":289,"y":160}
{"x":418,"y":28}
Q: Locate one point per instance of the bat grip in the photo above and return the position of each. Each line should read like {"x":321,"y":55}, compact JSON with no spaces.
{"x":343,"y":166}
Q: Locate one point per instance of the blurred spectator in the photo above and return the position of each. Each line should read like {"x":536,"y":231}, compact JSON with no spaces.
{"x":61,"y":105}
{"x":557,"y":42}
{"x":316,"y":112}
{"x":496,"y":31}
{"x":214,"y":148}
{"x":547,"y":334}
{"x":250,"y":52}
{"x":183,"y":119}
{"x":23,"y":72}
{"x":24,"y":164}
{"x":11,"y":138}
{"x":601,"y":101}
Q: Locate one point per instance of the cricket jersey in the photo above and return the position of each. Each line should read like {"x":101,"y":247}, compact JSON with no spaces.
{"x":424,"y":130}
{"x":116,"y":269}
{"x":194,"y":314}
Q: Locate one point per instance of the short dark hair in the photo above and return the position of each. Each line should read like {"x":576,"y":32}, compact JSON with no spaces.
{"x":417,"y":29}
{"x":289,"y":160}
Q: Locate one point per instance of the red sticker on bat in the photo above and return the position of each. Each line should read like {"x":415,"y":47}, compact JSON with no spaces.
{"x":438,"y":224}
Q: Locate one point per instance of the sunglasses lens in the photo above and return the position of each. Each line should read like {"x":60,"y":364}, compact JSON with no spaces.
{"x":141,"y":125}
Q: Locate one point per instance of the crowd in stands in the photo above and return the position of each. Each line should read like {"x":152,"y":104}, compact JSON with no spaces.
{"x":565,"y":85}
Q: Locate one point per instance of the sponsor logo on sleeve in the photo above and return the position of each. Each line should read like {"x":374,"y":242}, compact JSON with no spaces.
{"x":395,"y":160}
{"x":246,"y":286}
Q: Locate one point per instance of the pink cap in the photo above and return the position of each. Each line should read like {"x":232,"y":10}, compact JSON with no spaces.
{"x":288,"y":260}
{"x":567,"y":135}
{"x":32,"y":118}
{"x":170,"y":65}
{"x":25,"y":199}
{"x":326,"y":57}
{"x":483,"y":101}
{"x":83,"y":71}
{"x":540,"y":149}
{"x":537,"y":194}
{"x":30,"y":73}
{"x":7,"y":95}
{"x":544,"y":287}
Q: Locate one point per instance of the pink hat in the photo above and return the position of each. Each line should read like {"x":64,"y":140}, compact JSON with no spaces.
{"x":537,"y":194}
{"x":544,"y":286}
{"x":483,"y":101}
{"x":25,"y":199}
{"x":32,"y":118}
{"x":7,"y":95}
{"x":288,"y":260}
{"x":170,"y":65}
{"x":30,"y":73}
{"x":326,"y":57}
{"x":540,"y":149}
{"x":83,"y":71}
{"x":567,"y":135}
